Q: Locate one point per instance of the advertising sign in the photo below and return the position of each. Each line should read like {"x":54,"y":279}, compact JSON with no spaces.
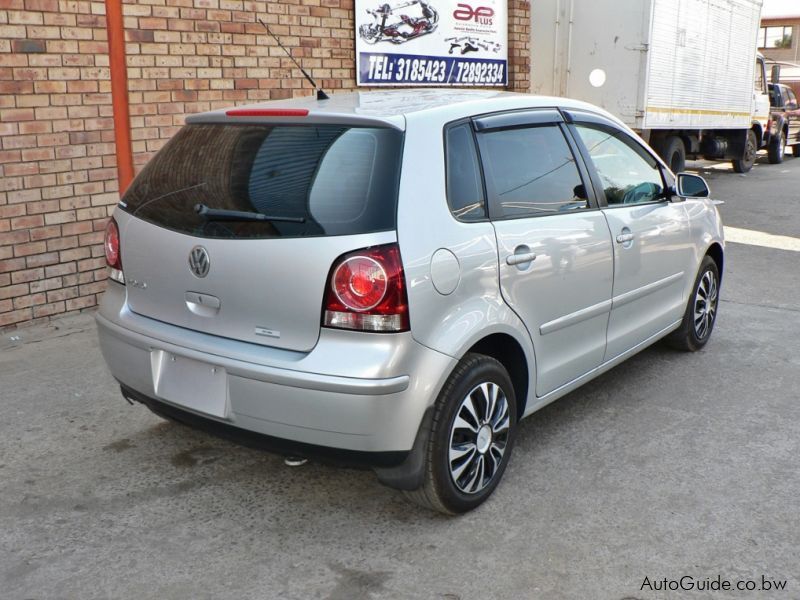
{"x":436,"y":42}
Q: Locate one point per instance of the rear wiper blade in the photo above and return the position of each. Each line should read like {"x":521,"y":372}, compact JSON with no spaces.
{"x":221,"y":214}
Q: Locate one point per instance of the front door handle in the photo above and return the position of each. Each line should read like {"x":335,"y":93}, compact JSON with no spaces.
{"x":624,"y":238}
{"x":520,"y":258}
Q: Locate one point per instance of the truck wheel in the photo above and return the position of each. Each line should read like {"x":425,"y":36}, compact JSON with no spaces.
{"x":744,"y":164}
{"x":777,"y":148}
{"x":674,"y":153}
{"x":472,"y":434}
{"x":795,"y":150}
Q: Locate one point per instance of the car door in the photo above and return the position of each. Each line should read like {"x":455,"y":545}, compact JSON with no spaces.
{"x":554,"y":246}
{"x":793,"y":116}
{"x":653,"y":249}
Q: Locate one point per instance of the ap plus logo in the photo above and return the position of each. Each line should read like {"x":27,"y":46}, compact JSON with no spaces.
{"x":481,"y":14}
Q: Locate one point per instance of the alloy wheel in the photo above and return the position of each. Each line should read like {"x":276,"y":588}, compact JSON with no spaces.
{"x":479,"y":438}
{"x":705,"y":304}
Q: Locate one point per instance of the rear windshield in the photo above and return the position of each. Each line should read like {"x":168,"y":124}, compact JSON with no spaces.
{"x":262,"y":181}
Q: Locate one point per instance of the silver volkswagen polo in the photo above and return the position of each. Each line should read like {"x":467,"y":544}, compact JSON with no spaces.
{"x":395,"y":279}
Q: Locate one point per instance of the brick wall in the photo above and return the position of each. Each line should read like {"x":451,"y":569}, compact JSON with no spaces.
{"x":57,"y":165}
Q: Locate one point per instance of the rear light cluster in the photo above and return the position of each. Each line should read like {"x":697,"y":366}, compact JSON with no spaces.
{"x":366,"y":291}
{"x":113,"y":255}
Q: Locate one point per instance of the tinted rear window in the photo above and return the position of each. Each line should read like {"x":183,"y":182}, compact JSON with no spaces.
{"x":328,"y":179}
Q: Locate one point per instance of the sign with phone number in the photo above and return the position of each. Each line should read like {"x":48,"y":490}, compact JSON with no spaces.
{"x":393,"y":69}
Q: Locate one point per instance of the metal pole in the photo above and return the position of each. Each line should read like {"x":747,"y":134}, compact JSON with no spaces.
{"x":119,"y":93}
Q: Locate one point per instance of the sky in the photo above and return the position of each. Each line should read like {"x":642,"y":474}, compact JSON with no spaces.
{"x":780,"y":8}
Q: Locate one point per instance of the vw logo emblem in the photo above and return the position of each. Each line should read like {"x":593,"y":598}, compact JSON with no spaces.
{"x":199,"y":262}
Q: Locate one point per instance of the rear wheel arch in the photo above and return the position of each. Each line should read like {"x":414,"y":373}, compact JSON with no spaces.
{"x":506,"y":350}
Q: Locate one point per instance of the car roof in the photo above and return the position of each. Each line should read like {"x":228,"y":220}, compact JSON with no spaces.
{"x":389,"y":107}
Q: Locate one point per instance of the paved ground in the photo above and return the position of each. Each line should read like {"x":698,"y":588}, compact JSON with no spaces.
{"x":671,"y":465}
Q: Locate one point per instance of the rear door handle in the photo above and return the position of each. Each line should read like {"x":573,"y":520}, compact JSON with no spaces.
{"x":518,"y":259}
{"x":624,"y":238}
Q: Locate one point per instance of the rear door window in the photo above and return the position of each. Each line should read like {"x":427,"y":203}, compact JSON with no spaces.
{"x":531,"y":171}
{"x":262,"y":181}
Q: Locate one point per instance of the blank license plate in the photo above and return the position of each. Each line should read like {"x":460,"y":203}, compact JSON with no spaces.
{"x":190,"y":383}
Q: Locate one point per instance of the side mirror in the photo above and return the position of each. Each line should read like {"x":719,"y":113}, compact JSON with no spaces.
{"x":775,"y":74}
{"x":692,"y":186}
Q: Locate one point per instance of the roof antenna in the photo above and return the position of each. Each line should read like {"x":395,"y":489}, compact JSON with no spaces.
{"x":320,"y":94}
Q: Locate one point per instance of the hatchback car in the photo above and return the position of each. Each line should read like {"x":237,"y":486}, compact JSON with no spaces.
{"x":395,"y":279}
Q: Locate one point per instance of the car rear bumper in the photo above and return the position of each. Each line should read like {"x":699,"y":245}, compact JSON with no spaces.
{"x":260,"y":441}
{"x":364,"y":393}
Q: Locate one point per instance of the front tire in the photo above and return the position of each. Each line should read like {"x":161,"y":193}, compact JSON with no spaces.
{"x":472,"y":435}
{"x":777,"y":149}
{"x":744,"y":164}
{"x":701,"y":310}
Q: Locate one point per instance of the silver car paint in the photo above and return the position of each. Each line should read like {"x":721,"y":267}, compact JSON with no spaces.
{"x":650,"y":271}
{"x":269,"y":386}
{"x":278,"y":306}
{"x":563,"y":296}
{"x":344,"y":394}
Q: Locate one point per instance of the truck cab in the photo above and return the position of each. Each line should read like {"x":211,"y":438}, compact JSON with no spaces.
{"x":784,"y":117}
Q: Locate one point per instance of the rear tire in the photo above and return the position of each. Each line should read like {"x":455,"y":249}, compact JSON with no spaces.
{"x":744,"y":164}
{"x":472,"y":435}
{"x":674,"y":153}
{"x":701,"y":310}
{"x":777,"y":149}
{"x":795,"y":150}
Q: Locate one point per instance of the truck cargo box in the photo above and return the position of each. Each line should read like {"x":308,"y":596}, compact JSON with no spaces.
{"x":656,"y":64}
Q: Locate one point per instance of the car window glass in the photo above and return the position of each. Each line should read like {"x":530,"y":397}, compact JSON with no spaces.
{"x":531,"y":172}
{"x":292,"y":180}
{"x":464,"y":185}
{"x":629,"y":174}
{"x":792,"y":99}
{"x":773,"y":96}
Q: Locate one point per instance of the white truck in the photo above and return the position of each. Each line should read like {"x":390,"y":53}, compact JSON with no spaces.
{"x":683,"y":73}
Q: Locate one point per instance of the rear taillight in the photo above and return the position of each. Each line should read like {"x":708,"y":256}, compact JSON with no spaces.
{"x":366,"y":291}
{"x":113,"y":255}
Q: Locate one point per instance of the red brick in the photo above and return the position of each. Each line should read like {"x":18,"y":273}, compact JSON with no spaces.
{"x":29,"y":249}
{"x":74,"y":254}
{"x":81,"y":303}
{"x":27,"y":275}
{"x":12,"y":210}
{"x":59,"y":270}
{"x":62,"y":243}
{"x":14,"y":238}
{"x":12,"y":264}
{"x":28,"y":301}
{"x":47,"y":310}
{"x":27,"y":222}
{"x":45,"y":233}
{"x":62,"y":294}
{"x":12,"y":291}
{"x":44,"y":5}
{"x":8,"y":156}
{"x":15,"y":316}
{"x":41,"y":260}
